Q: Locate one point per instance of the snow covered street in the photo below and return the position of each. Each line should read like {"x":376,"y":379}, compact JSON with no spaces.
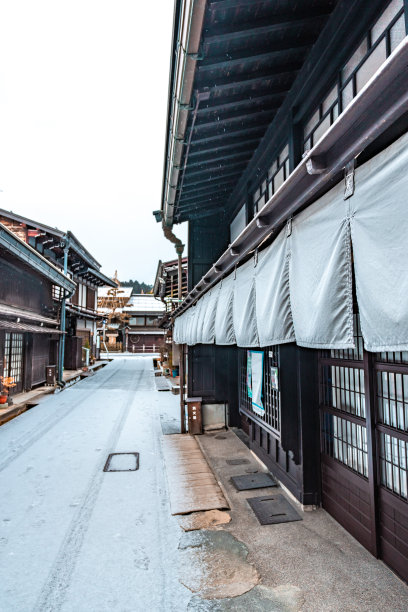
{"x":74,"y":537}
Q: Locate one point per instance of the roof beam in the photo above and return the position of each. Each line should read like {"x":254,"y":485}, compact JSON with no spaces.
{"x":244,"y":144}
{"x":237,"y":58}
{"x":263,"y":27}
{"x":237,"y":114}
{"x":222,"y":170}
{"x":211,"y":178}
{"x":207,"y":200}
{"x":245,"y":155}
{"x":236,"y":102}
{"x":266,"y":114}
{"x":208,"y":189}
{"x":259,"y":129}
{"x":248,"y":80}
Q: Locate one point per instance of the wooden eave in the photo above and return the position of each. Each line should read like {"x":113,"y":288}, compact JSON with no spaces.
{"x":376,"y":109}
{"x":251,"y":53}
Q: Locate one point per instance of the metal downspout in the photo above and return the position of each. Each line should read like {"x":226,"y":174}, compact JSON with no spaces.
{"x":179,"y":246}
{"x":63,"y":321}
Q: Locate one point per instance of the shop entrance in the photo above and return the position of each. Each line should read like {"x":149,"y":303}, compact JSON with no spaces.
{"x":13,"y":360}
{"x":364,"y":444}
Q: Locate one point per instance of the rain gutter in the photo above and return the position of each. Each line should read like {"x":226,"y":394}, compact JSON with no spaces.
{"x":186,"y":48}
{"x":382,"y":101}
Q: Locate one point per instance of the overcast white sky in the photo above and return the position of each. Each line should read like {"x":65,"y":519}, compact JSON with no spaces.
{"x":83,"y":102}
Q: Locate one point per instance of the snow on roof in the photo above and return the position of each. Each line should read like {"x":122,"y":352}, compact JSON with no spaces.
{"x":123,"y":292}
{"x":144,"y":303}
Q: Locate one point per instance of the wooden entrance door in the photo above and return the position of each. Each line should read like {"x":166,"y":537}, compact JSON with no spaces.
{"x":344,"y":448}
{"x":391,"y":390}
{"x":13,"y":360}
{"x":364,"y":445}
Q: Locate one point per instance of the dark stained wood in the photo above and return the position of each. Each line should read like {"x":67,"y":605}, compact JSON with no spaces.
{"x":40,"y":358}
{"x":346,"y":497}
{"x":393,"y":520}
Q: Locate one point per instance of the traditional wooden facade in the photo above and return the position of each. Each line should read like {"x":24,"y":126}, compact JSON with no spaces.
{"x":30,"y":305}
{"x":131,"y":321}
{"x":65,"y":251}
{"x":286,"y":154}
{"x":166,"y":282}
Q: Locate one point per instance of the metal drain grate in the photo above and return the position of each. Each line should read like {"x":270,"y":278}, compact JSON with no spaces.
{"x":237,"y":461}
{"x":273,"y":509}
{"x":261,"y":480}
{"x":122,"y":462}
{"x":220,"y":437}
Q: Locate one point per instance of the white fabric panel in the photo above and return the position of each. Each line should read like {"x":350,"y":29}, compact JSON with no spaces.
{"x":224,"y":326}
{"x":202,"y":305}
{"x":243,"y":306}
{"x":190,"y":326}
{"x":195,"y":330}
{"x":273,"y":311}
{"x":208,"y":315}
{"x":320,"y":274}
{"x":180,"y":328}
{"x":379,"y":230}
{"x":177,"y":329}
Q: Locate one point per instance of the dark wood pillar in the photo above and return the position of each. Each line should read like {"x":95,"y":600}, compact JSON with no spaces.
{"x":27,"y":361}
{"x":182,"y":384}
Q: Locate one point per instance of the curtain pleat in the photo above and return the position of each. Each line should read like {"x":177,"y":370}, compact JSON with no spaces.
{"x":320,"y":274}
{"x":379,"y":232}
{"x":224,"y":324}
{"x":273,"y":309}
{"x":244,"y":307}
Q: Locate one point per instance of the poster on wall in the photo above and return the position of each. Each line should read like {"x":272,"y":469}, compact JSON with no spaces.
{"x":257,"y":362}
{"x":249,"y":373}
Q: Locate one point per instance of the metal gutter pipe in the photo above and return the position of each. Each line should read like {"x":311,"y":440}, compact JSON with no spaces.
{"x":187,"y":53}
{"x":179,"y":250}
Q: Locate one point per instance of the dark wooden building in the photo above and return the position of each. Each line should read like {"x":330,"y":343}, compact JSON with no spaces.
{"x":286,"y":154}
{"x":65,"y":251}
{"x":30,"y":304}
{"x":166,"y":282}
{"x":132,"y":321}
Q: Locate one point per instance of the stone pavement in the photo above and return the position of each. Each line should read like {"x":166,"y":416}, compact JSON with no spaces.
{"x":312,"y":565}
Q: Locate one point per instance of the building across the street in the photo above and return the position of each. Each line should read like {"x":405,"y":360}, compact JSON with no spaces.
{"x":167,"y":281}
{"x":130,"y":322}
{"x":30,"y":303}
{"x":64,"y":251}
{"x":286,"y":154}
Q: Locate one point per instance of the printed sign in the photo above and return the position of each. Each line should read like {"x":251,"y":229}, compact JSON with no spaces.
{"x":274,"y":379}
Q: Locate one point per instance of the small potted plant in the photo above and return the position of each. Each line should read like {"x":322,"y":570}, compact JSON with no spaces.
{"x":7,"y":382}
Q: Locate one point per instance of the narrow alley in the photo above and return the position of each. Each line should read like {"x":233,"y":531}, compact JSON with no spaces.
{"x":72,"y":536}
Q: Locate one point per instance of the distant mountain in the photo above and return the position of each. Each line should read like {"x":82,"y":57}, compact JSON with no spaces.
{"x":137,"y":287}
